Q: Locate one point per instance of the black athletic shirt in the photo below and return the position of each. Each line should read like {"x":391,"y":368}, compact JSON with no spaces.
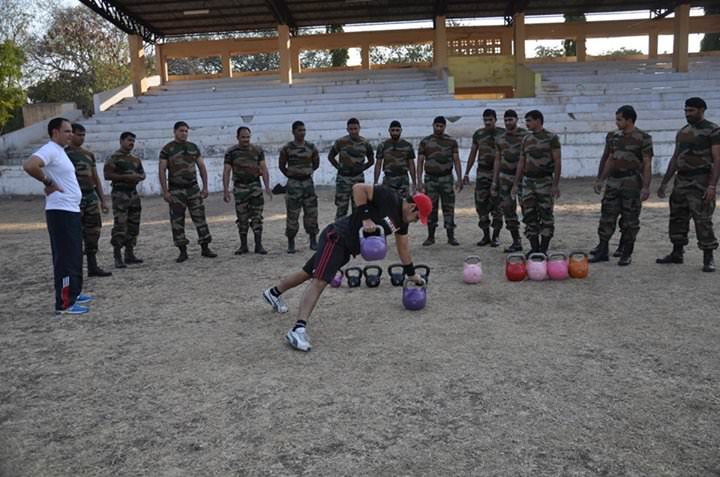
{"x":385,"y":210}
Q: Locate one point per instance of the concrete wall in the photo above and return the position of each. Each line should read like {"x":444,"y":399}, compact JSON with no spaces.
{"x":18,"y":140}
{"x":103,"y":101}
{"x":42,"y":112}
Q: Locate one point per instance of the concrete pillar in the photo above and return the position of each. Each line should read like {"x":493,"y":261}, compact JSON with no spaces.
{"x":137,"y":64}
{"x":284,"y":50}
{"x":653,"y":45}
{"x":295,"y":60}
{"x":681,"y":30}
{"x":581,"y":48}
{"x":519,"y":38}
{"x":440,"y":55}
{"x":365,"y":56}
{"x":226,"y":65}
{"x":160,"y":63}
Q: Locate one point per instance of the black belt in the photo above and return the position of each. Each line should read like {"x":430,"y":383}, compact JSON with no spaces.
{"x":349,"y":174}
{"x":694,"y":172}
{"x":539,"y":175}
{"x":621,"y":174}
{"x":300,"y":178}
{"x":439,"y":175}
{"x":246,"y":180}
{"x":396,"y":174}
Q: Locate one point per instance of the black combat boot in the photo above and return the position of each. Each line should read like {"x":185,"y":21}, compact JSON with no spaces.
{"x":93,"y":269}
{"x":495,"y":241}
{"x":708,"y":261}
{"x":601,"y":253}
{"x":243,"y":245}
{"x":486,"y":237}
{"x":430,"y":240}
{"x":627,"y":250}
{"x":544,"y":244}
{"x":676,"y":256}
{"x":117,"y":253}
{"x":313,"y":242}
{"x":183,"y":254}
{"x":206,"y":252}
{"x":516,"y":244}
{"x":534,"y":245}
{"x":451,"y":237}
{"x":291,"y":245}
{"x":130,"y":255}
{"x":258,"y":244}
{"x":619,"y":251}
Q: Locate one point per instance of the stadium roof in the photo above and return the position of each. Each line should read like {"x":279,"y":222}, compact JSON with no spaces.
{"x":154,"y":19}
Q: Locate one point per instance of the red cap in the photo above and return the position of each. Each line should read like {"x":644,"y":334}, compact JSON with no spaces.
{"x":424,"y":206}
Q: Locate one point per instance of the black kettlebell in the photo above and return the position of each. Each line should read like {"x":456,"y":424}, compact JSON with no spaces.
{"x":372,"y":275}
{"x":423,"y":271}
{"x":354,"y":276}
{"x":396,"y":277}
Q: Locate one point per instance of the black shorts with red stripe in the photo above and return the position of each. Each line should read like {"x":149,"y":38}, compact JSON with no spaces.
{"x":332,"y":253}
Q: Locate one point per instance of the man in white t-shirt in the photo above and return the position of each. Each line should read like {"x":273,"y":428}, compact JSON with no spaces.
{"x":51,"y":166}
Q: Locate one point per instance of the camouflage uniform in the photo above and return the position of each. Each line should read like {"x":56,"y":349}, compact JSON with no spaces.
{"x":485,"y":140}
{"x":623,"y":186}
{"x":185,"y":192}
{"x":249,"y":201}
{"x":125,"y":200}
{"x":439,"y":184}
{"x":351,"y":157}
{"x":90,"y":219}
{"x":537,"y":199}
{"x":509,"y":143}
{"x":395,"y":157}
{"x":300,"y":195}
{"x":694,"y":161}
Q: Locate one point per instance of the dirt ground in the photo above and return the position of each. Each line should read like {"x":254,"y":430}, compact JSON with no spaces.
{"x":182,"y":369}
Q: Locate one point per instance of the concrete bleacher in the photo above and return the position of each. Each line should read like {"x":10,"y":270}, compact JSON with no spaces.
{"x":578,"y":101}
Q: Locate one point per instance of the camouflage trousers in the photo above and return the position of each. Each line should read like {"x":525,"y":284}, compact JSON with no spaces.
{"x":249,"y":202}
{"x":343,"y":193}
{"x":621,"y":199}
{"x":485,"y":204}
{"x":90,"y":221}
{"x":686,"y":202}
{"x":301,"y":196}
{"x":508,"y":203}
{"x":537,"y":205}
{"x":188,"y":198}
{"x":441,"y":191}
{"x":126,"y":217}
{"x":400,"y":184}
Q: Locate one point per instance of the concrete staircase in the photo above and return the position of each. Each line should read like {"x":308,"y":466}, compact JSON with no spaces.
{"x":578,"y":101}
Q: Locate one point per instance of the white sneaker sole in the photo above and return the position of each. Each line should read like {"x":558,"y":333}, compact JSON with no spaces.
{"x":294,"y":343}
{"x":270,"y":302}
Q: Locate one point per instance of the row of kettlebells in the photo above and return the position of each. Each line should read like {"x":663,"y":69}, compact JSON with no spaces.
{"x":373,"y":273}
{"x":537,"y":267}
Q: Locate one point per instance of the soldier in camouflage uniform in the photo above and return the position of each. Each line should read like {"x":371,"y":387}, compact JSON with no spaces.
{"x":178,"y":180}
{"x":628,"y":169}
{"x":247,"y":163}
{"x":125,"y":171}
{"x":484,"y":147}
{"x":506,"y":160}
{"x":298,"y":160}
{"x":396,"y":158}
{"x":539,"y":171}
{"x":352,"y":150}
{"x":696,"y":167}
{"x":92,"y":193}
{"x":437,"y":156}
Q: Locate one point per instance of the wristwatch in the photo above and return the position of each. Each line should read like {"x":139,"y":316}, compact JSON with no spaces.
{"x":47,"y":181}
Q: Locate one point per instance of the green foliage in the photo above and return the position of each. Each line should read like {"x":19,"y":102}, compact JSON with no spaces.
{"x":711,"y":41}
{"x":12,"y":95}
{"x":401,"y":54}
{"x":340,"y":56}
{"x":549,"y":51}
{"x":622,"y":51}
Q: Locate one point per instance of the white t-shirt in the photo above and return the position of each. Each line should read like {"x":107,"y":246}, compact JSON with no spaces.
{"x":60,"y":169}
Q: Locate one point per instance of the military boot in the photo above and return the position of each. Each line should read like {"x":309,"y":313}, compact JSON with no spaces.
{"x":117,"y":254}
{"x":601,"y":253}
{"x":495,"y":241}
{"x":534,"y":245}
{"x":258,"y":243}
{"x":243,"y":245}
{"x":130,"y":255}
{"x":626,"y":257}
{"x":93,"y":269}
{"x":708,"y":261}
{"x":676,"y":256}
{"x":544,"y":244}
{"x":486,"y":237}
{"x":516,"y":244}
{"x":291,"y":245}
{"x":313,"y":242}
{"x":430,"y":240}
{"x":206,"y":252}
{"x":451,"y":237}
{"x":183,"y":254}
{"x":619,"y":251}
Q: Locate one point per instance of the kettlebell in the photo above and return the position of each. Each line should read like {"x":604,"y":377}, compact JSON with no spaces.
{"x":337,"y":280}
{"x":372,"y":275}
{"x":515,"y":267}
{"x":396,"y":274}
{"x":557,"y":267}
{"x":354,"y":276}
{"x":472,"y":270}
{"x":414,"y":297}
{"x":537,"y":266}
{"x":578,"y":266}
{"x":423,"y":271}
{"x":374,"y":247}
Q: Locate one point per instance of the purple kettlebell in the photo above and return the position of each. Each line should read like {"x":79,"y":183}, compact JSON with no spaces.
{"x":337,"y":279}
{"x":374,"y":247}
{"x":414,"y":296}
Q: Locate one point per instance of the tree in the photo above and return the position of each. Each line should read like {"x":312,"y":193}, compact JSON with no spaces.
{"x":340,"y":56}
{"x":711,"y":41}
{"x":570,"y":46}
{"x":401,"y":54}
{"x":622,"y":51}
{"x":549,"y":51}
{"x":12,"y":95}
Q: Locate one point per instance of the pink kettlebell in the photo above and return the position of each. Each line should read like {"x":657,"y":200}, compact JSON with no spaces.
{"x":472,"y":270}
{"x":557,"y":266}
{"x":537,"y":266}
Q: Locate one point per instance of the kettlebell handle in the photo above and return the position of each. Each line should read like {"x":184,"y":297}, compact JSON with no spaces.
{"x":378,"y":228}
{"x":407,"y":280}
{"x":472,"y":260}
{"x":537,"y":255}
{"x":372,"y":267}
{"x":425,"y":268}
